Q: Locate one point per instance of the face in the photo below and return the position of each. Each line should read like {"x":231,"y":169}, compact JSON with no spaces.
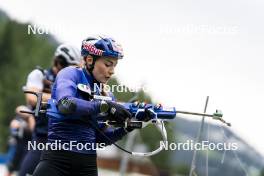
{"x":104,"y":68}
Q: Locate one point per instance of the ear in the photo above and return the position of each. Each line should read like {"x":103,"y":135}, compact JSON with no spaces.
{"x":89,"y":60}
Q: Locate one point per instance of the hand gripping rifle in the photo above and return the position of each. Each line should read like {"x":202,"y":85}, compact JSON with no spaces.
{"x":157,"y":113}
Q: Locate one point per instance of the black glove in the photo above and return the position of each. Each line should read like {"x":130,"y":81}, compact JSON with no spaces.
{"x":116,"y":111}
{"x":145,"y":115}
{"x":148,"y":115}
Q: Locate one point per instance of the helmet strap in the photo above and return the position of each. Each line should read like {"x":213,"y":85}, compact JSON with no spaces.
{"x":91,"y":67}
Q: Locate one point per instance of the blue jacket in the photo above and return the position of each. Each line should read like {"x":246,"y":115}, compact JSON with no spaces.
{"x":77,"y":126}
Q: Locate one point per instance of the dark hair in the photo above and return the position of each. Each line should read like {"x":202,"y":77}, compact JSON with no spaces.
{"x":60,"y":60}
{"x":95,"y":58}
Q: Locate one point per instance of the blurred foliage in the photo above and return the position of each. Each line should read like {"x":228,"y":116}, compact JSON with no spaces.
{"x":19,"y":54}
{"x":262,"y":172}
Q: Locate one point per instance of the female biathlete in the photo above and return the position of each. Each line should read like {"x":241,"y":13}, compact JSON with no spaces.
{"x":73,"y":115}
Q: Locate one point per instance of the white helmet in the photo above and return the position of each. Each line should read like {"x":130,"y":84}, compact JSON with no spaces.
{"x":71,"y":54}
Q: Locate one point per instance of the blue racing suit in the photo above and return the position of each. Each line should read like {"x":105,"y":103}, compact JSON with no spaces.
{"x":78,"y":126}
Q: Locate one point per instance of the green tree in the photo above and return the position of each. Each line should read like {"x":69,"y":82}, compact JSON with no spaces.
{"x":19,"y":54}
